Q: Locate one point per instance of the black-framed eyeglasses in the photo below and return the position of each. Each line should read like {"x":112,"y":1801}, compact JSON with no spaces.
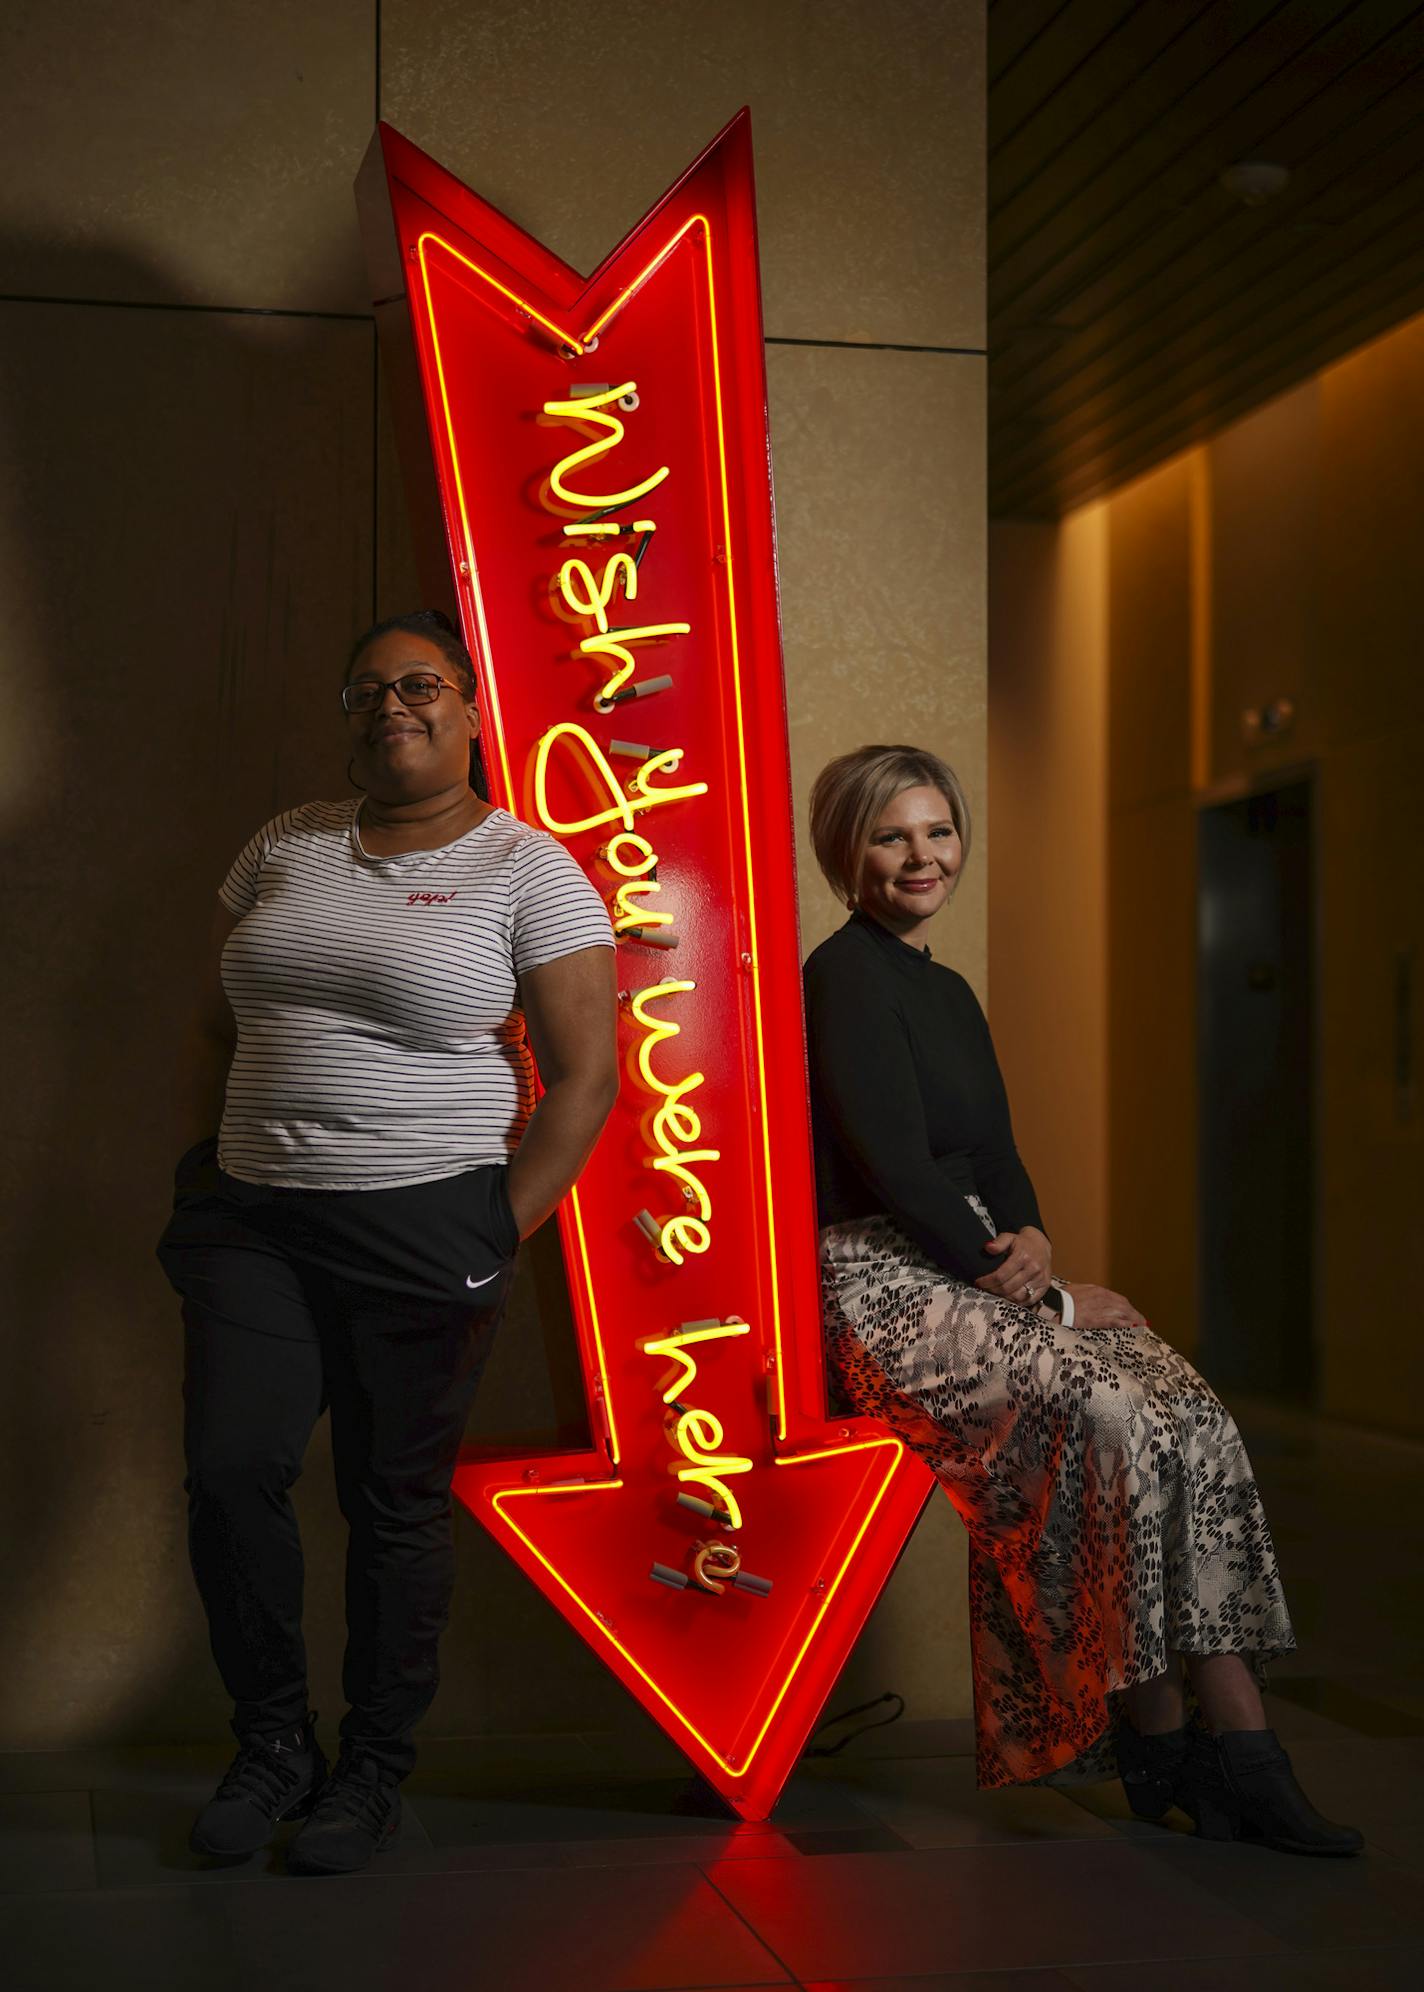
{"x":412,"y":688}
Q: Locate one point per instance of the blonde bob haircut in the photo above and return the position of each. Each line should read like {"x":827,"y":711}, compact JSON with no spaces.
{"x":851,"y":794}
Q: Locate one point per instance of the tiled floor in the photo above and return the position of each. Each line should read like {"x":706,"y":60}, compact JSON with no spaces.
{"x":581,"y":1864}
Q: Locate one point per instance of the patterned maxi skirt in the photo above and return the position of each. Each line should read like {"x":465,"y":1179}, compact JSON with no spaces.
{"x":1112,"y":1513}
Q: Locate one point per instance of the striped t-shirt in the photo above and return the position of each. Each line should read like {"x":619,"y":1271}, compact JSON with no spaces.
{"x":380,"y":1038}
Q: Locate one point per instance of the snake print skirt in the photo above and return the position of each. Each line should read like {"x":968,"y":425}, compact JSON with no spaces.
{"x":1112,"y":1512}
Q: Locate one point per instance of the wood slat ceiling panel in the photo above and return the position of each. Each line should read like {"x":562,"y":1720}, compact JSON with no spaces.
{"x":1051,"y":64}
{"x":1322,"y":338}
{"x":1179,"y":205}
{"x":1133,"y":301}
{"x":1297,"y":112}
{"x":1069,"y":489}
{"x":1253,"y":302}
{"x":1019,"y":23}
{"x":1113,"y":126}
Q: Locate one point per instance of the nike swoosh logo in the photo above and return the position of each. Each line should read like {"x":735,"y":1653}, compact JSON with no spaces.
{"x":479,"y":1283}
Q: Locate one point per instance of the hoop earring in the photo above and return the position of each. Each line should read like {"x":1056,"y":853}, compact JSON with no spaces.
{"x":351,"y":778}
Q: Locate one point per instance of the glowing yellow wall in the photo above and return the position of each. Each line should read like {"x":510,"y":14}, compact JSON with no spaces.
{"x":1047,"y":866}
{"x":1278,"y":561}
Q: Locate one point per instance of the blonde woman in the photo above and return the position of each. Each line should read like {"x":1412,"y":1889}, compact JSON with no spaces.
{"x":1118,"y":1544}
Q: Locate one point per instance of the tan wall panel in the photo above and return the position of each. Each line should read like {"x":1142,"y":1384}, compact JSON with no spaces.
{"x":1264,"y":552}
{"x":1372,"y":528}
{"x":1149,"y":637}
{"x":184,"y":569}
{"x":880,"y":522}
{"x":868,"y":124}
{"x":1370,"y":1140}
{"x":177,"y":151}
{"x":1047,"y":907}
{"x":916,"y":1640}
{"x":1152,"y":1138}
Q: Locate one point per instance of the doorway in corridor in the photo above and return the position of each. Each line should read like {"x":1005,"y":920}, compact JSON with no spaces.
{"x":1255,"y":1067}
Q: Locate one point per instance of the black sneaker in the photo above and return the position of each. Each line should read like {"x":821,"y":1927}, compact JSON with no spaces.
{"x":275,"y":1775}
{"x":357,"y":1814}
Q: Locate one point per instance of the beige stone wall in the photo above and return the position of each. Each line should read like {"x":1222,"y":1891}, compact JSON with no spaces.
{"x":202,"y":507}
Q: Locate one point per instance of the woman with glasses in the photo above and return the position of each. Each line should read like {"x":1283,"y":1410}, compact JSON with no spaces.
{"x":1115,"y":1529}
{"x":367,"y":1154}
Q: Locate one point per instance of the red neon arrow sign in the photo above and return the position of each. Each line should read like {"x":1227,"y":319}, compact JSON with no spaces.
{"x":598,"y":451}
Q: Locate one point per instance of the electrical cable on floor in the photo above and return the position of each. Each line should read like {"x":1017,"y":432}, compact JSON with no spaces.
{"x":815,"y":1749}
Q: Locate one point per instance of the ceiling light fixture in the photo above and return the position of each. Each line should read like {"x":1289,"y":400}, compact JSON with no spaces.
{"x":1253,"y":181}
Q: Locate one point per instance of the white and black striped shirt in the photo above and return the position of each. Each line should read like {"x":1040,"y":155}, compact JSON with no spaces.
{"x":380,"y":1034}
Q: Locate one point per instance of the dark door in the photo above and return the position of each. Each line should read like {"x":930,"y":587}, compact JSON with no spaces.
{"x":1255,"y":1022}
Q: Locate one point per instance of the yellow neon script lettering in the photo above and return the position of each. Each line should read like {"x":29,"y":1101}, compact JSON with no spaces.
{"x":680,"y":1235}
{"x":622,"y":807}
{"x":632,"y":866}
{"x":585,"y":596}
{"x":700,"y":1436}
{"x":595,"y":410}
{"x":644,"y":858}
{"x":676,"y":1165}
{"x":677,"y":1346}
{"x":626,"y":914}
{"x":677,"y":1127}
{"x":614,"y":644}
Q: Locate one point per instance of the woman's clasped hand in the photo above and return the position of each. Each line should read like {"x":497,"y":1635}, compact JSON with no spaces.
{"x":1025,"y":1268}
{"x":1100,"y":1307}
{"x":1026,"y":1271}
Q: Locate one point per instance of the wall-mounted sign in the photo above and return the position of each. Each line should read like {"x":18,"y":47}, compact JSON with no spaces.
{"x":597,"y":449}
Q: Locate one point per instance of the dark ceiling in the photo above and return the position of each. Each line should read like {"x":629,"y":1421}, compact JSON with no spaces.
{"x":1135,"y":305}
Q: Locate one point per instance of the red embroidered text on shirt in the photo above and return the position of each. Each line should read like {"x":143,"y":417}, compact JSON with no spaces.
{"x":430,"y":898}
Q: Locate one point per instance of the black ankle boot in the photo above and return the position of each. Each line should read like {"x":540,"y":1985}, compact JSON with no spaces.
{"x":1246,"y":1790}
{"x":1155,"y":1771}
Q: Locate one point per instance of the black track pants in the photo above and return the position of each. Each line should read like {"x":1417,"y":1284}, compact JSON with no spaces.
{"x":381,"y":1305}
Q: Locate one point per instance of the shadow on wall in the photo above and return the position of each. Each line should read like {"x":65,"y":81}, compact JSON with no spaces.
{"x":174,"y":569}
{"x":188,"y":557}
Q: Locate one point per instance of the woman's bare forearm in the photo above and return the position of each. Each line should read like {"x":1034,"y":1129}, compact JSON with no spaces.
{"x":557,"y":1142}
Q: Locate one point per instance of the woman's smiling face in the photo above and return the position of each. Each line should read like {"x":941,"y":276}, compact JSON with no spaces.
{"x":911,"y":862}
{"x":402,"y":753}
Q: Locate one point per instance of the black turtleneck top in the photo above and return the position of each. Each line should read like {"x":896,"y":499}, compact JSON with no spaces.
{"x":908,"y":1108}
